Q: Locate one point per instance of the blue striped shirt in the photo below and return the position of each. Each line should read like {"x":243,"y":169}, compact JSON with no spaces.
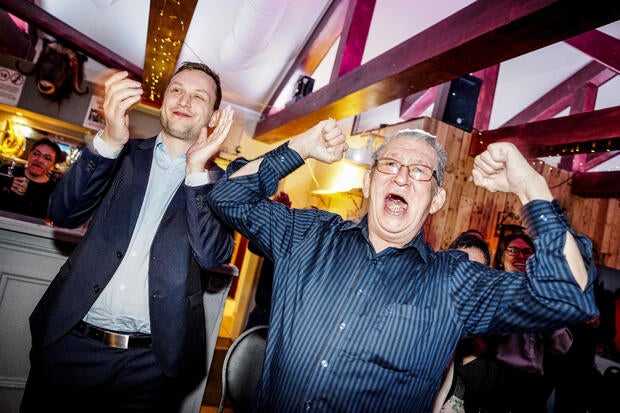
{"x":356,"y":331}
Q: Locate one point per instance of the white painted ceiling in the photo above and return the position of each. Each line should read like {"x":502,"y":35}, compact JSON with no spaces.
{"x":121,"y":26}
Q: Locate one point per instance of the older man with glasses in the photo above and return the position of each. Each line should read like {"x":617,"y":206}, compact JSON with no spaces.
{"x":365,"y":315}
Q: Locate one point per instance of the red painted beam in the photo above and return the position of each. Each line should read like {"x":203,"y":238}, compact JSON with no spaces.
{"x":414,"y":105}
{"x":485,"y":33}
{"x":600,"y":46}
{"x":561,"y":96}
{"x":596,"y":184}
{"x":61,"y":31}
{"x":353,"y":37}
{"x":543,"y":138}
{"x":604,"y":157}
{"x":486,"y":97}
{"x":316,"y":48}
{"x":14,"y":41}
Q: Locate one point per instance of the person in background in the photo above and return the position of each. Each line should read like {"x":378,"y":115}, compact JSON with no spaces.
{"x":524,"y":379}
{"x":27,"y":190}
{"x":578,"y":388}
{"x":121,"y":328}
{"x":365,"y":315}
{"x":259,"y":316}
{"x":452,"y":395}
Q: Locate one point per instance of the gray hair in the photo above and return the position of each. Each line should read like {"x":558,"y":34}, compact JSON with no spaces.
{"x":422,"y":136}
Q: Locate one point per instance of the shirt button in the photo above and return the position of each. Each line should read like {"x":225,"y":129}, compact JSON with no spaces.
{"x":307,"y":405}
{"x":342,"y":326}
{"x":324,"y":363}
{"x":374,"y":262}
{"x":119,"y":255}
{"x":360,"y":292}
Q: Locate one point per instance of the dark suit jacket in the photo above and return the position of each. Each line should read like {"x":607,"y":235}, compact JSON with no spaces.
{"x":189,"y":238}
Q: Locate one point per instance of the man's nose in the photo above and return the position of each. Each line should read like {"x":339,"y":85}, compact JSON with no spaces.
{"x":184,"y":100}
{"x":402,"y":176}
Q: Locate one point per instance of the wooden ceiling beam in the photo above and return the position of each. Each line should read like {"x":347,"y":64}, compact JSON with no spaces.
{"x":482,"y":119}
{"x":414,"y":105}
{"x":596,"y":184}
{"x":353,"y":37}
{"x":315,"y":49}
{"x":600,"y":47}
{"x":545,"y":137}
{"x":596,"y":161}
{"x":66,"y":34}
{"x":561,"y":96}
{"x":483,"y":34}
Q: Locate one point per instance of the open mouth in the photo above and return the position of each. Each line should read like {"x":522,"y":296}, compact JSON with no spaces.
{"x":395,"y":203}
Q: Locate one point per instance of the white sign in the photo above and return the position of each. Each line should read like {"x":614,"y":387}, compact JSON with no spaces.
{"x":11,"y":86}
{"x":94,"y":115}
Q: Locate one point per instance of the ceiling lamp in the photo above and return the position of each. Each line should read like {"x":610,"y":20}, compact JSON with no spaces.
{"x":363,"y":155}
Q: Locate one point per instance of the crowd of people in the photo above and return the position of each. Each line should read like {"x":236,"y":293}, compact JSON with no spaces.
{"x":364,"y":315}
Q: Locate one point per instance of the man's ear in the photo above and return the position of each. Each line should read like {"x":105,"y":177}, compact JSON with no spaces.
{"x":215,"y":117}
{"x":438,"y":200}
{"x":366,"y":184}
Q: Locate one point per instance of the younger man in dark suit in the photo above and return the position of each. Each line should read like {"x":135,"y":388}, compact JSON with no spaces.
{"x":121,"y":327}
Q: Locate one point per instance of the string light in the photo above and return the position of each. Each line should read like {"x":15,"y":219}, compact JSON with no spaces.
{"x":166,"y":40}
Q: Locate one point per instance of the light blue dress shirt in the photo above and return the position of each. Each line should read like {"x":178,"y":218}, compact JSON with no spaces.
{"x":124,"y":304}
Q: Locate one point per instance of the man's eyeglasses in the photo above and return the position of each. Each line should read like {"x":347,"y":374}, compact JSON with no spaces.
{"x":39,"y":154}
{"x":514,"y":251}
{"x":417,"y":172}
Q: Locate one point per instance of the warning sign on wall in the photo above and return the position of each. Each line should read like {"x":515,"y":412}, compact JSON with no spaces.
{"x":11,"y":86}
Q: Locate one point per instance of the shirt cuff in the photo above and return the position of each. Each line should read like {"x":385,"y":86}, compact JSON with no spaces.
{"x":284,"y":160}
{"x":542,"y":216}
{"x":209,"y":176}
{"x":103,"y":149}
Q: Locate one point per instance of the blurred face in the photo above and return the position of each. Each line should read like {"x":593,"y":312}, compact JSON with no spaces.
{"x":516,"y":254}
{"x":398,"y":204}
{"x":475,"y":254}
{"x":41,"y":161}
{"x":188,"y":105}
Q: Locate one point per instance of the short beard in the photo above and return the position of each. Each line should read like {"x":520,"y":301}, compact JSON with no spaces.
{"x":189,"y":135}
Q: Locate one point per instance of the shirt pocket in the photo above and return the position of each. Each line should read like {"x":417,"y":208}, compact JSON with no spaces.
{"x":399,"y":338}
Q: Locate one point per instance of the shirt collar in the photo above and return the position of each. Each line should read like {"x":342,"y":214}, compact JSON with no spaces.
{"x":416,"y":243}
{"x":162,"y":156}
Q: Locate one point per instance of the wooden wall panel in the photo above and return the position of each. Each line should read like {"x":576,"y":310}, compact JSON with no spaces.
{"x":468,"y":206}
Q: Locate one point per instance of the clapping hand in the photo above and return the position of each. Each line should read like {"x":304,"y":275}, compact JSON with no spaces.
{"x":207,"y":146}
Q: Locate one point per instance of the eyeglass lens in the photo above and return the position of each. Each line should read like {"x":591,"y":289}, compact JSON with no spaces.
{"x":417,"y":172}
{"x":515,"y":251}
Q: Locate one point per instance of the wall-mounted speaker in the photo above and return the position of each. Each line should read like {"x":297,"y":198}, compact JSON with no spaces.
{"x":461,"y":102}
{"x":304,"y":87}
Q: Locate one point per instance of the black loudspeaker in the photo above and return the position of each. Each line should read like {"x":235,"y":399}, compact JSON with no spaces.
{"x":461,"y":102}
{"x":304,"y":87}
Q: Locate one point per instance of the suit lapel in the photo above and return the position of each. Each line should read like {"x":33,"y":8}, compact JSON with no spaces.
{"x":142,"y":171}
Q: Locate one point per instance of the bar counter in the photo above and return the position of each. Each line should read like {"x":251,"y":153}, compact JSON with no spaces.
{"x":31,"y":253}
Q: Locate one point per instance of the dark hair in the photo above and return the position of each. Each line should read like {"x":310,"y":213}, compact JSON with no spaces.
{"x":467,"y":240}
{"x":503,"y":244}
{"x":60,"y":155}
{"x":206,"y":69}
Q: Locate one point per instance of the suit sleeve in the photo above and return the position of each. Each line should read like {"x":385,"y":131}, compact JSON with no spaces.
{"x":78,"y":193}
{"x":211,"y":240}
